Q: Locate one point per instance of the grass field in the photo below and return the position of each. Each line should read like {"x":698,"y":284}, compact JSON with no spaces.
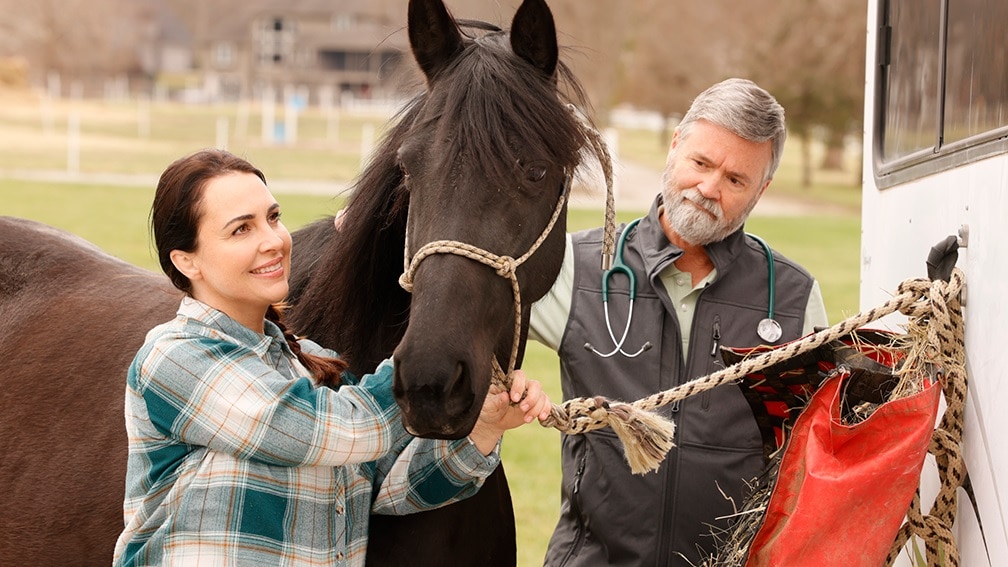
{"x":115,"y":218}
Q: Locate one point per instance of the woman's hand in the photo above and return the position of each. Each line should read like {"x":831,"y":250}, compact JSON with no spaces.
{"x":508,"y":410}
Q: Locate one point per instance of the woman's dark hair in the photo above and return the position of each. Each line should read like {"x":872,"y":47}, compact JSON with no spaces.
{"x":174,"y":221}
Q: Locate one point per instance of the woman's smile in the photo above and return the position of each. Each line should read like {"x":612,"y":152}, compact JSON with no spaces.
{"x":273,"y":269}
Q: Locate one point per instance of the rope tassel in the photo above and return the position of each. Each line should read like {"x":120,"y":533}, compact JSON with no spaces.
{"x":645,"y":435}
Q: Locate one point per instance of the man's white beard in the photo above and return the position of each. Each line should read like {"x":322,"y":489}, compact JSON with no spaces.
{"x":692,"y":224}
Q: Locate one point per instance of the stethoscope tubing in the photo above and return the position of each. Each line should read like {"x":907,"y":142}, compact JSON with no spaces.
{"x":619,"y":267}
{"x":771,"y":277}
{"x":768,"y":329}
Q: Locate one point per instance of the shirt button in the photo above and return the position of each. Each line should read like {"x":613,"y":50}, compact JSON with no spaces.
{"x":680,"y":281}
{"x":339,"y":556}
{"x":683,"y":307}
{"x":339,"y":510}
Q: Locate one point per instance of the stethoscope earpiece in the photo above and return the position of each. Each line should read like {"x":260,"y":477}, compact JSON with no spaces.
{"x":619,"y":267}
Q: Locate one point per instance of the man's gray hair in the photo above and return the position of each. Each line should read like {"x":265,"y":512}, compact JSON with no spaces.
{"x":744,"y":108}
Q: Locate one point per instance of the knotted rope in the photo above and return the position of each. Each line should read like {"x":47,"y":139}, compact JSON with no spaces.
{"x":941,"y":332}
{"x":506,"y":266}
{"x":647,"y":436}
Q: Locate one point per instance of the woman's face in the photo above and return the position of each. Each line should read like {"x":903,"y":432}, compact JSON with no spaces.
{"x":242,"y":257}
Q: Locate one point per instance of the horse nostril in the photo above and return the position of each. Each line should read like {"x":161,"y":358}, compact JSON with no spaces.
{"x":398,"y":389}
{"x":458,"y":386}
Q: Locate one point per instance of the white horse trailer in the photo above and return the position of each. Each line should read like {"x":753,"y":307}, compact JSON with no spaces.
{"x":935,"y":165}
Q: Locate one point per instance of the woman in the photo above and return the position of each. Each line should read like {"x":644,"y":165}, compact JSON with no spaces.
{"x":248,"y":446}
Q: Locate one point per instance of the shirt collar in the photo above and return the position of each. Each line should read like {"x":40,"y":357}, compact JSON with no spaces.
{"x":217,"y":320}
{"x":658,"y":253}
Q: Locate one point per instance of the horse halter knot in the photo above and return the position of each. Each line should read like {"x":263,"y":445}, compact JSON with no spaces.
{"x":505,"y":266}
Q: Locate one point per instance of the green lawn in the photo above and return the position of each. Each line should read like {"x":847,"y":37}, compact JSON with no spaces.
{"x":115,"y":218}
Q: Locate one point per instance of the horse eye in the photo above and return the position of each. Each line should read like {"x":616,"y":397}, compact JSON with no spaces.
{"x":535,"y":173}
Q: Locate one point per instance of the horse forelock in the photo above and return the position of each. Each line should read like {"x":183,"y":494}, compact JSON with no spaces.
{"x":497,"y":109}
{"x":501,"y":109}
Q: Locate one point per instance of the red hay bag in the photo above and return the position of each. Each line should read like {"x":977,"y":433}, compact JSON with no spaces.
{"x":842,"y":491}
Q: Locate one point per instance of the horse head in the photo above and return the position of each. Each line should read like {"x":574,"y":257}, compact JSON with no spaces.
{"x":487,"y":165}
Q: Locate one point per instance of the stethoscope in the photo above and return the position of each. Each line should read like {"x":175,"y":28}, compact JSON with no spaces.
{"x":768,"y":328}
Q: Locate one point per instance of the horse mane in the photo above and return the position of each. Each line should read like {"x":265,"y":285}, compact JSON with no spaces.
{"x":345,"y":290}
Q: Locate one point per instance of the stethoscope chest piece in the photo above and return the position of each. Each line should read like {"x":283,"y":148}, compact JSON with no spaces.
{"x":769,"y":330}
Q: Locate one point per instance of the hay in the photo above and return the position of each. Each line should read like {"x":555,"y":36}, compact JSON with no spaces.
{"x":878,"y":362}
{"x":733,"y":543}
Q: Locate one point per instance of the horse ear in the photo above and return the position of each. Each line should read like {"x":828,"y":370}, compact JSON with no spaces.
{"x":434,"y":37}
{"x":533,"y":36}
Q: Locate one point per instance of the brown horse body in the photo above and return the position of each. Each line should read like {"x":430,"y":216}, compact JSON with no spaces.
{"x":72,"y":319}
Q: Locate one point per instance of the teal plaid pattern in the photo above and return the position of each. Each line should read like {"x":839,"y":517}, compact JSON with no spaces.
{"x":237,"y":458}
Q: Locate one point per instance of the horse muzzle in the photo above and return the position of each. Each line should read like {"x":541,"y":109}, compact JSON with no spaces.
{"x":436,"y":393}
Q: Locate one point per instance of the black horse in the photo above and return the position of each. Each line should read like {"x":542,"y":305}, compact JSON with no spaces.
{"x":483,"y":157}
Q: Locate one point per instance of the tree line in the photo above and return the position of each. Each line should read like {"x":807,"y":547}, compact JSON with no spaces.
{"x":651,"y":54}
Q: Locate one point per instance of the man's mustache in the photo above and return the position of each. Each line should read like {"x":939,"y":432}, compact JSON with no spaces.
{"x":694,"y":196}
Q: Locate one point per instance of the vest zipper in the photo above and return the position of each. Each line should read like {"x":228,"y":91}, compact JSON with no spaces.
{"x":579,"y":534}
{"x":715,"y":343}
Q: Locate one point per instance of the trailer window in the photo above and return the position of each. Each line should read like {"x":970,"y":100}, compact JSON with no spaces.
{"x":976,"y":93}
{"x":912,"y":78}
{"x":941,"y":86}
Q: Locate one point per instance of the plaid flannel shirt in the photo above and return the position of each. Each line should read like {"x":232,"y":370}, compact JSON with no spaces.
{"x":237,"y":458}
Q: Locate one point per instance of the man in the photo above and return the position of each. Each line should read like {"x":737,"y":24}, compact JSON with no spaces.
{"x":701,"y":282}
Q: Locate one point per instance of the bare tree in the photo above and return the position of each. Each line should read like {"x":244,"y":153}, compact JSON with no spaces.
{"x":813,"y":62}
{"x":593,"y":38}
{"x":653,"y":54}
{"x":77,"y":38}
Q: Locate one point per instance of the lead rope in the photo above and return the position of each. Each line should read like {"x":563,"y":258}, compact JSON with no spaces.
{"x":647,"y":436}
{"x":600,"y":149}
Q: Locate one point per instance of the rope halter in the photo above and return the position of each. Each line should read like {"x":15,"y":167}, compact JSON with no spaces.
{"x":504,"y":266}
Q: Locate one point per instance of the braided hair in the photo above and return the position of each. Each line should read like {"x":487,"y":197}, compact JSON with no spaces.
{"x":325,"y":370}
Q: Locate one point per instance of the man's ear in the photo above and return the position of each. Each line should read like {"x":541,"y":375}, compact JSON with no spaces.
{"x":675,"y":139}
{"x":185,"y":263}
{"x":672,"y":146}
